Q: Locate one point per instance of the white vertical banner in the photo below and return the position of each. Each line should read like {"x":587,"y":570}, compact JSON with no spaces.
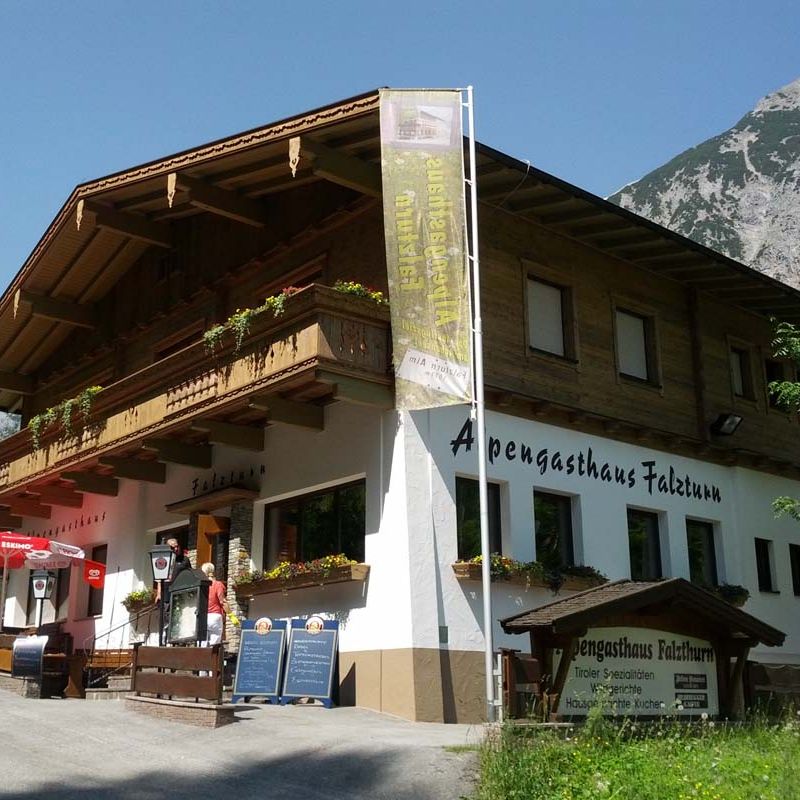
{"x":422,"y":161}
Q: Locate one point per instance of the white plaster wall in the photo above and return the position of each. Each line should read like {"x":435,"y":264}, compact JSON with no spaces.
{"x":356,"y":442}
{"x":600,"y":522}
{"x":412,"y":597}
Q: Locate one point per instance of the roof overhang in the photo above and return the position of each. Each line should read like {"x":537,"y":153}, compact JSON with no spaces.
{"x":573,"y":615}
{"x":106,"y":225}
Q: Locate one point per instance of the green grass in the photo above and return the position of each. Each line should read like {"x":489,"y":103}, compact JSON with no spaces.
{"x":667,"y":762}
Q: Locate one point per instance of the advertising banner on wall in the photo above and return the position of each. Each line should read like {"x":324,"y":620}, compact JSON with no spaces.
{"x":642,"y":672}
{"x":425,"y":227}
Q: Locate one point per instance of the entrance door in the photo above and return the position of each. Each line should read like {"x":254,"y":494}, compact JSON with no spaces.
{"x":213,"y":535}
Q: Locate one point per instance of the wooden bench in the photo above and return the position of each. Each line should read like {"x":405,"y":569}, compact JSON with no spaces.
{"x":175,"y":689}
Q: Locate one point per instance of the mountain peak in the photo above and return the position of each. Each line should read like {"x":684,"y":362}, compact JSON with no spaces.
{"x":738,"y":192}
{"x":786,"y":98}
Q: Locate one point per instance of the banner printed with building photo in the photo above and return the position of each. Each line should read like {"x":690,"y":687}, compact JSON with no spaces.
{"x":424,"y":219}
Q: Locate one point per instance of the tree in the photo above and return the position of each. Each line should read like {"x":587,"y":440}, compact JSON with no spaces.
{"x":786,"y":345}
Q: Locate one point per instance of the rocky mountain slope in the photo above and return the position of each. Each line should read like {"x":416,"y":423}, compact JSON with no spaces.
{"x":739,"y":192}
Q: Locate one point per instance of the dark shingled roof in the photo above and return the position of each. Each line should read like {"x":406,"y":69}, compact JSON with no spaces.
{"x":575,"y":613}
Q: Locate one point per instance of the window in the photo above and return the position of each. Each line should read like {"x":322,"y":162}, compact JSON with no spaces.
{"x":553,"y":516}
{"x":766,"y":582}
{"x":644,"y":544}
{"x":468,"y":522}
{"x":741,"y":376}
{"x":794,"y":558}
{"x":95,"y":604}
{"x":549,"y":318}
{"x":316,"y":525}
{"x":635,"y":346}
{"x":702,"y":555}
{"x":62,"y":593}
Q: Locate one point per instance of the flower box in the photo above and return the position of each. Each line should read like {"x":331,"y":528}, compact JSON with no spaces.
{"x":351,"y":572}
{"x":577,"y":583}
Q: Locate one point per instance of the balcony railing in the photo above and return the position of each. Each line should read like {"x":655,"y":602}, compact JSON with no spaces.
{"x":322,"y":337}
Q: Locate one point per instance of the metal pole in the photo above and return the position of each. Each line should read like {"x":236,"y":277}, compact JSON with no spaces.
{"x":161,"y":616}
{"x":3,"y":590}
{"x":480,"y":421}
{"x":39,"y":608}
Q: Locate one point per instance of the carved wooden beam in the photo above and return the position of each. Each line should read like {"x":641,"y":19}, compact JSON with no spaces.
{"x":343,"y":169}
{"x":52,"y":308}
{"x":357,"y":391}
{"x":288,"y":412}
{"x":243,"y":437}
{"x":13,"y":382}
{"x":91,"y":483}
{"x":28,"y":508}
{"x":58,"y":496}
{"x":131,"y":225}
{"x":211,"y":198}
{"x":135,"y":470}
{"x":175,"y":452}
{"x":8,"y":521}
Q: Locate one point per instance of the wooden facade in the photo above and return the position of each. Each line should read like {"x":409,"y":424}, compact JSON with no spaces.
{"x":138,"y":265}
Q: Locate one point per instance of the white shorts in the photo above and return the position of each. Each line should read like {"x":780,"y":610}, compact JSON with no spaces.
{"x":214,"y":634}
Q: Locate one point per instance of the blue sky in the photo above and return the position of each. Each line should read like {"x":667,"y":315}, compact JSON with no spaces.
{"x":598,"y":93}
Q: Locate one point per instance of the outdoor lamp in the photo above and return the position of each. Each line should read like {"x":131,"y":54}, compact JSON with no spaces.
{"x":726,"y":424}
{"x":161,"y":560}
{"x":42,"y":583}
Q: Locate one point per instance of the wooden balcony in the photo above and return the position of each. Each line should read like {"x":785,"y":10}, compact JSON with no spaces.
{"x":326,"y":346}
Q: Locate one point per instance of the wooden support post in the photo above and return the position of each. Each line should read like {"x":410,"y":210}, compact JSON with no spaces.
{"x":190,"y":455}
{"x":92,"y":483}
{"x":130,"y":225}
{"x":219,"y":201}
{"x":290,"y":413}
{"x":28,"y":507}
{"x":58,"y":496}
{"x":357,"y":391}
{"x":735,"y":694}
{"x":243,"y":437}
{"x":14,"y":382}
{"x":133,"y":469}
{"x":81,"y":316}
{"x":344,"y":169}
{"x":561,"y":676}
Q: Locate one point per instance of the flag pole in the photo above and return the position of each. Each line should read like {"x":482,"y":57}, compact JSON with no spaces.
{"x":480,"y":421}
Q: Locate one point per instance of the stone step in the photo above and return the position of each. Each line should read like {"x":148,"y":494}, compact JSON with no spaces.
{"x":107,"y":694}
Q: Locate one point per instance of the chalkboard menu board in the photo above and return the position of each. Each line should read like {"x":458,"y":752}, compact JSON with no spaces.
{"x":258,"y":665}
{"x":27,"y":656}
{"x":311,"y":660}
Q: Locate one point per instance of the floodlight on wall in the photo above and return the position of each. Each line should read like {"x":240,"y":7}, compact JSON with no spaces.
{"x":726,"y":424}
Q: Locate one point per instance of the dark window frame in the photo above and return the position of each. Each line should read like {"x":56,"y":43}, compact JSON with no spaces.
{"x":705,"y":540}
{"x":649,"y":564}
{"x":466,"y":491}
{"x":745,"y":357}
{"x":298,"y":505}
{"x":764,"y":566}
{"x":650,"y":333}
{"x":794,"y":561}
{"x":562,"y":505}
{"x":568,"y":337}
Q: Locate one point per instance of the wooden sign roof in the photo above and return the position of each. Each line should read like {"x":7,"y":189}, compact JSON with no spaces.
{"x":572,"y":615}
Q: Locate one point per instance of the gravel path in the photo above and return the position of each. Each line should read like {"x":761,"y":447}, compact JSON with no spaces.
{"x":70,"y":749}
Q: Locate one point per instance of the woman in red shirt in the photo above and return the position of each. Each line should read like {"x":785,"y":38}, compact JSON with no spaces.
{"x":217,"y":605}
